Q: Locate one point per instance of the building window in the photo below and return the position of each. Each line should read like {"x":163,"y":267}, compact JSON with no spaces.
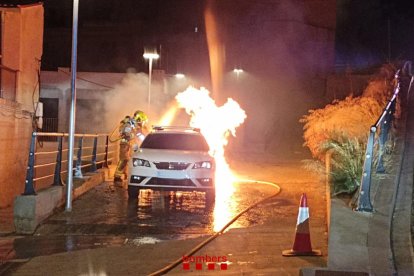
{"x":8,"y":76}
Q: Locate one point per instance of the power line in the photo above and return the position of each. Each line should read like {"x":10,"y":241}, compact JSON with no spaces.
{"x":86,"y":80}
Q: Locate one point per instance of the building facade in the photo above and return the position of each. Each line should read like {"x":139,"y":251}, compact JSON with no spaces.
{"x":21,"y":53}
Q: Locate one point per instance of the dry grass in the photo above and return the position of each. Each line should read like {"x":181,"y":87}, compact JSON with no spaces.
{"x":351,"y":117}
{"x":343,"y":127}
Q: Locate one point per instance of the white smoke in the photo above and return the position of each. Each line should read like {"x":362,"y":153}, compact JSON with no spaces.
{"x":132,"y":94}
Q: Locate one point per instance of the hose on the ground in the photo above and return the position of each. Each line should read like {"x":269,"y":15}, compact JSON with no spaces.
{"x":171,"y":266}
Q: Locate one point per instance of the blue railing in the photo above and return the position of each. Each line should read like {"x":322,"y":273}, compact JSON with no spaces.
{"x":93,"y":150}
{"x":384,"y":124}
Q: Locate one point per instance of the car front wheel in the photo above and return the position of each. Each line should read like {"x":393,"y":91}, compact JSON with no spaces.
{"x":133,"y":192}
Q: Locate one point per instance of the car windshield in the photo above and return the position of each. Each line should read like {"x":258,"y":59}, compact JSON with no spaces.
{"x":175,"y":141}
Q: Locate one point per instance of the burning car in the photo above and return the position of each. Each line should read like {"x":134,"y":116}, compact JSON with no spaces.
{"x":172,"y":159}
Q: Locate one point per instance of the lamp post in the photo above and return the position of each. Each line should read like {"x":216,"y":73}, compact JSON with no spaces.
{"x":71,"y":136}
{"x":150,"y":57}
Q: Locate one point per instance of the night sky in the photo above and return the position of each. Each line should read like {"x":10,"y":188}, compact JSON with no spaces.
{"x":369,"y":32}
{"x":113,"y":34}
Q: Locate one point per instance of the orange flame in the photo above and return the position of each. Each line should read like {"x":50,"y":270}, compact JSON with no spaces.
{"x":168,"y":116}
{"x":216,"y":124}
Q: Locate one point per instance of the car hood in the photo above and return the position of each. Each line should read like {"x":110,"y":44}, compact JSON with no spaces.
{"x":155,"y":155}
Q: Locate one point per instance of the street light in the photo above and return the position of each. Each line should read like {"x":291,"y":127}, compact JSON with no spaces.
{"x":238,"y":71}
{"x":71,"y":135}
{"x":150,"y":57}
{"x":180,"y":76}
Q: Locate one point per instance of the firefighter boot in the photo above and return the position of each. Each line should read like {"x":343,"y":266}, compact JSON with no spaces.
{"x":118,"y":181}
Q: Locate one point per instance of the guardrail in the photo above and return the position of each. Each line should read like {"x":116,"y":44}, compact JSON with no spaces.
{"x":383,"y":123}
{"x":93,"y":150}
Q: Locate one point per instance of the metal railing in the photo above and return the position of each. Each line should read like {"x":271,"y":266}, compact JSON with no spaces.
{"x":383,"y":123}
{"x":93,"y":151}
{"x":49,"y":125}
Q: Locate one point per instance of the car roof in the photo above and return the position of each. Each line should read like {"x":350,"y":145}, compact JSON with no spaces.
{"x":175,"y":129}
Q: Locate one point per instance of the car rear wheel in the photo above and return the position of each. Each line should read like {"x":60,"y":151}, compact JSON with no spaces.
{"x":133,"y":192}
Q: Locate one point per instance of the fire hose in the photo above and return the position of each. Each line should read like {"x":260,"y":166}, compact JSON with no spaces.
{"x":174,"y":264}
{"x":112,"y":133}
{"x":139,"y":135}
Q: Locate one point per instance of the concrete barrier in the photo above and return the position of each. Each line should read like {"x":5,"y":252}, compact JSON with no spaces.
{"x":30,"y":210}
{"x":328,"y":272}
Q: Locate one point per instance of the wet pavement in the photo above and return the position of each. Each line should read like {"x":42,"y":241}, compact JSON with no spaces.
{"x":104,"y":219}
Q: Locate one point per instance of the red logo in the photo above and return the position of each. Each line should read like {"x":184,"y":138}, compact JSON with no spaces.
{"x":205,"y":262}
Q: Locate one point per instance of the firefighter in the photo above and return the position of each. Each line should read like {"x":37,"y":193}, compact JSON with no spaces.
{"x":126,"y":131}
{"x":131,"y":132}
{"x":140,"y":119}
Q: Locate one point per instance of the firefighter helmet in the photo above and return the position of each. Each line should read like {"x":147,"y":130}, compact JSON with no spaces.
{"x":140,"y":117}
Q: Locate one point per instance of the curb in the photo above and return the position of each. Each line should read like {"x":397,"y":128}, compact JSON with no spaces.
{"x":30,"y":210}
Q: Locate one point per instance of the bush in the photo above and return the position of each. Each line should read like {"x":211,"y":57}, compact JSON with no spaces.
{"x":347,"y":159}
{"x":352,"y":116}
{"x":342,"y":128}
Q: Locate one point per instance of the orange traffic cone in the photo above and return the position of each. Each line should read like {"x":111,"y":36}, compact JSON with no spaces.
{"x":302,"y":245}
